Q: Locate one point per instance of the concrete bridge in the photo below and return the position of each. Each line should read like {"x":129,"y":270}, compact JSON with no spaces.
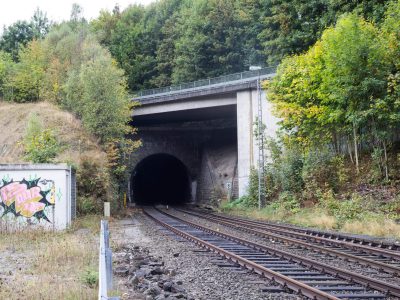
{"x":198,"y":139}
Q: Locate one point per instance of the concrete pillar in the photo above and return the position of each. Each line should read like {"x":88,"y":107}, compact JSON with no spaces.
{"x":247,"y":113}
{"x":245,"y":138}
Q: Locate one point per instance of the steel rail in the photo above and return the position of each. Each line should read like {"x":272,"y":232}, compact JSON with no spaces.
{"x":393,"y":254}
{"x":382,"y":286}
{"x":351,"y":240}
{"x":238,"y":225}
{"x":297,"y":286}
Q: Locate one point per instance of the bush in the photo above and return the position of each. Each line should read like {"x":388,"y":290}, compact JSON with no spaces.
{"x":353,"y":209}
{"x":284,"y":171}
{"x":93,"y":183}
{"x":87,"y":205}
{"x":237,"y":203}
{"x":324,"y":169}
{"x":288,"y":202}
{"x":40,"y":145}
{"x":91,"y":278}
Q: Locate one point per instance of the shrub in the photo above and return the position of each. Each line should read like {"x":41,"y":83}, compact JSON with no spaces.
{"x":287,"y":203}
{"x":237,"y":203}
{"x":291,"y":171}
{"x":93,"y":183}
{"x":91,"y":278}
{"x":87,"y":205}
{"x":25,"y":82}
{"x":40,"y":145}
{"x":322,"y":168}
{"x":345,"y":210}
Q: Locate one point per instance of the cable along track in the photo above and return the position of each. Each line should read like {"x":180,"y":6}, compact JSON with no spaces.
{"x":306,"y":277}
{"x":382,"y":259}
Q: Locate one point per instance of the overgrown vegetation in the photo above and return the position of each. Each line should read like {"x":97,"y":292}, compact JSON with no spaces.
{"x":171,"y":41}
{"x":40,"y":145}
{"x":337,"y":155}
{"x":66,"y":65}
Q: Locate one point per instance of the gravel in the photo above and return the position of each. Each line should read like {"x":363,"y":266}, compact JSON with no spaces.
{"x":335,"y":262}
{"x":152,"y":263}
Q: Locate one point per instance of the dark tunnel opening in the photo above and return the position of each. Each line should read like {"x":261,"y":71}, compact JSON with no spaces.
{"x":160,"y":179}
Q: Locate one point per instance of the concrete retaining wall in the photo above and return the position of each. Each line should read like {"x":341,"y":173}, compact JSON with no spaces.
{"x":36,"y":196}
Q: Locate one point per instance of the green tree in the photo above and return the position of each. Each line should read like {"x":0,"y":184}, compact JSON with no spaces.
{"x":19,"y":34}
{"x":292,"y":26}
{"x":337,"y":88}
{"x":25,"y":82}
{"x":355,"y":72}
{"x":40,"y":24}
{"x":15,"y":37}
{"x":98,"y":94}
{"x":6,"y":66}
{"x":211,"y":43}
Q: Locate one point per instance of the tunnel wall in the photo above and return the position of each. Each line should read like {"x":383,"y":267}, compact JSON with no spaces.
{"x":217,"y":178}
{"x":210,"y":157}
{"x":183,"y":146}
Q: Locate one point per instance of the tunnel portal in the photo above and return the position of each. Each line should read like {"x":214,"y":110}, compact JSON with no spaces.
{"x":160,"y":179}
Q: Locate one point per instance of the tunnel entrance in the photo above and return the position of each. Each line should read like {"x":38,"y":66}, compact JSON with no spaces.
{"x":160,"y":179}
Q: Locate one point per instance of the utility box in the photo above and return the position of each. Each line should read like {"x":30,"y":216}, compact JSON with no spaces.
{"x":39,"y":196}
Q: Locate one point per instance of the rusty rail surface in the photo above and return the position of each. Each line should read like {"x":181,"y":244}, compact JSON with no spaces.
{"x":329,"y":236}
{"x":298,"y":286}
{"x":304,"y":241}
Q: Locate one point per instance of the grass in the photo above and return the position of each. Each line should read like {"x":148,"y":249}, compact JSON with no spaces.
{"x":372,"y":224}
{"x":75,"y":142}
{"x":51,"y":265}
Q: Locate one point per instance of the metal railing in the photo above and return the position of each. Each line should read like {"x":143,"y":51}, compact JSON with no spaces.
{"x":105,"y":263}
{"x":207,"y":82}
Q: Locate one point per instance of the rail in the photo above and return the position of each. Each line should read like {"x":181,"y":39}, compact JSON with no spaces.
{"x":105,"y":263}
{"x":313,"y":289}
{"x":208,"y":82}
{"x":351,"y":252}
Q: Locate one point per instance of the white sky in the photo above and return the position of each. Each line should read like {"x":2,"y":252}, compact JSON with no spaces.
{"x":57,"y":10}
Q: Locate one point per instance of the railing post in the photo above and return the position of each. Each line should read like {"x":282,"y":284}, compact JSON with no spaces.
{"x":102,"y":265}
{"x":109,"y":269}
{"x":105,"y":262}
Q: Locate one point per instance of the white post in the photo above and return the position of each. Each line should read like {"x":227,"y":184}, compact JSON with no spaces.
{"x":102,"y":266}
{"x":107,"y":209}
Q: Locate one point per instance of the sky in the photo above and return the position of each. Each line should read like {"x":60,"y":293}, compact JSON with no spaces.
{"x":57,"y":10}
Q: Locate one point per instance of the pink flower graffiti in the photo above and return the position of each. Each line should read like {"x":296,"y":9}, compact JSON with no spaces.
{"x":26,"y":200}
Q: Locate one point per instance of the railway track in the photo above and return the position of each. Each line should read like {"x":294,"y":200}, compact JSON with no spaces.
{"x":374,"y":256}
{"x":306,"y":277}
{"x":329,"y":235}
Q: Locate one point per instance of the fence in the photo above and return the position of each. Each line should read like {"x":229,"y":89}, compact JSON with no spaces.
{"x":105,"y":263}
{"x":209,"y":81}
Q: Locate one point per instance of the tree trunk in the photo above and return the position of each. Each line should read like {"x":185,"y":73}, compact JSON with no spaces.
{"x":355,"y":148}
{"x":350,"y":152}
{"x":386,"y":161}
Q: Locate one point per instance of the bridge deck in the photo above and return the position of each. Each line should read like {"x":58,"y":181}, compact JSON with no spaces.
{"x":222,"y":84}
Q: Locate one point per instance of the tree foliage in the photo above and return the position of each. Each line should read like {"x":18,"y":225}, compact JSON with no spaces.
{"x":292,"y":26}
{"x":19,"y":34}
{"x":174,"y":41}
{"x":70,"y":68}
{"x":25,"y":82}
{"x":345,"y":88}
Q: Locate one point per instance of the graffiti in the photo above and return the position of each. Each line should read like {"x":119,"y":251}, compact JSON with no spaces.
{"x":27,"y":198}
